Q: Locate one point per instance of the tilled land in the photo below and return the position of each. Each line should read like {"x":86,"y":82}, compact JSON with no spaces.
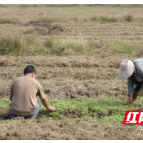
{"x":67,"y":73}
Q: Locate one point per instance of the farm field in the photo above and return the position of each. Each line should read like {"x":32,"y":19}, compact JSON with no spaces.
{"x":76,"y":50}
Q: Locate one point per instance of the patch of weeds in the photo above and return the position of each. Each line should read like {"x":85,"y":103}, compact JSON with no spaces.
{"x":9,"y":46}
{"x":77,"y":47}
{"x":55,"y":47}
{"x":23,"y":5}
{"x":128,"y":18}
{"x":30,"y":40}
{"x":61,"y":5}
{"x":4,"y":103}
{"x":62,"y":106}
{"x":122,"y":47}
{"x":6,"y":21}
{"x":17,"y":47}
{"x":52,"y":47}
{"x":104,"y":19}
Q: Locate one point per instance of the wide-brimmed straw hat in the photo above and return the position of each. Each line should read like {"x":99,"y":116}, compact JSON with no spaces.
{"x":126,"y":69}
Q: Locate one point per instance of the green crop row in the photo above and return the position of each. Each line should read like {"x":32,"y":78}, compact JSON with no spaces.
{"x":110,"y":109}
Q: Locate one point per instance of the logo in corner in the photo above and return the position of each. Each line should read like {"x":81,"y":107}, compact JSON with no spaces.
{"x":133,"y":117}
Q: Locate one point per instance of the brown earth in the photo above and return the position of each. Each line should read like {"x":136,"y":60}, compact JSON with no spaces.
{"x":4,"y":114}
{"x":69,"y":82}
{"x":66,"y":77}
{"x":56,"y":61}
{"x":74,"y":73}
{"x":65,"y":128}
{"x":75,"y":129}
{"x":44,"y":28}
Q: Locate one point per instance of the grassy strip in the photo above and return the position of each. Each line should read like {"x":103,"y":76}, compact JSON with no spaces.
{"x":73,"y":5}
{"x":125,"y":18}
{"x":4,"y":21}
{"x":105,"y":108}
{"x":52,"y":46}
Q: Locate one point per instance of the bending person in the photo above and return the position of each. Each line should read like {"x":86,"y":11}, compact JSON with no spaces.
{"x":133,"y":72}
{"x":23,"y":94}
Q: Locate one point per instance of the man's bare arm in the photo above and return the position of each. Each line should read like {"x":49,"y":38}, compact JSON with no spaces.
{"x":46,"y":104}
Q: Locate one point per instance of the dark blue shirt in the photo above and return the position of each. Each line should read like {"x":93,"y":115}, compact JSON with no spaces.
{"x":137,"y":76}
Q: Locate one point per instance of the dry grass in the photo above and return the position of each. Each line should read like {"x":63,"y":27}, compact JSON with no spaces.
{"x":75,"y":129}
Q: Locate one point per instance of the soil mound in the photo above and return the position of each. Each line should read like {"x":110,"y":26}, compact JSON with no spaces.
{"x":78,"y":113}
{"x":44,"y":28}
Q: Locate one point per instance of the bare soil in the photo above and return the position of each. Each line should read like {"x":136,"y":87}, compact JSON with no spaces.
{"x":65,"y":128}
{"x":44,"y":28}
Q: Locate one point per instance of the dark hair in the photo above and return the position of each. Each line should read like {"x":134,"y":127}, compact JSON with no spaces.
{"x":29,"y":69}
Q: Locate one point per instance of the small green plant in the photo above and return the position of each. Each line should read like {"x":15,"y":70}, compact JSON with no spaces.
{"x":8,"y":21}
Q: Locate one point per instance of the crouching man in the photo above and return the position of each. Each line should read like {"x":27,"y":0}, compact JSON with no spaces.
{"x":23,"y":94}
{"x":133,"y":72}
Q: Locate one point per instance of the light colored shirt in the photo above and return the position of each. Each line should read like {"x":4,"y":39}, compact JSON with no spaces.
{"x":23,"y":94}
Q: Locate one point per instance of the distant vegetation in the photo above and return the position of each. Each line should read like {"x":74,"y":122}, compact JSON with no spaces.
{"x":74,"y":5}
{"x":4,"y":21}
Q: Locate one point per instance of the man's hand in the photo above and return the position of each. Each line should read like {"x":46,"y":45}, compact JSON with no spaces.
{"x":140,"y":93}
{"x":51,"y":108}
{"x":130,"y":99}
{"x":135,"y":95}
{"x":45,"y":103}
